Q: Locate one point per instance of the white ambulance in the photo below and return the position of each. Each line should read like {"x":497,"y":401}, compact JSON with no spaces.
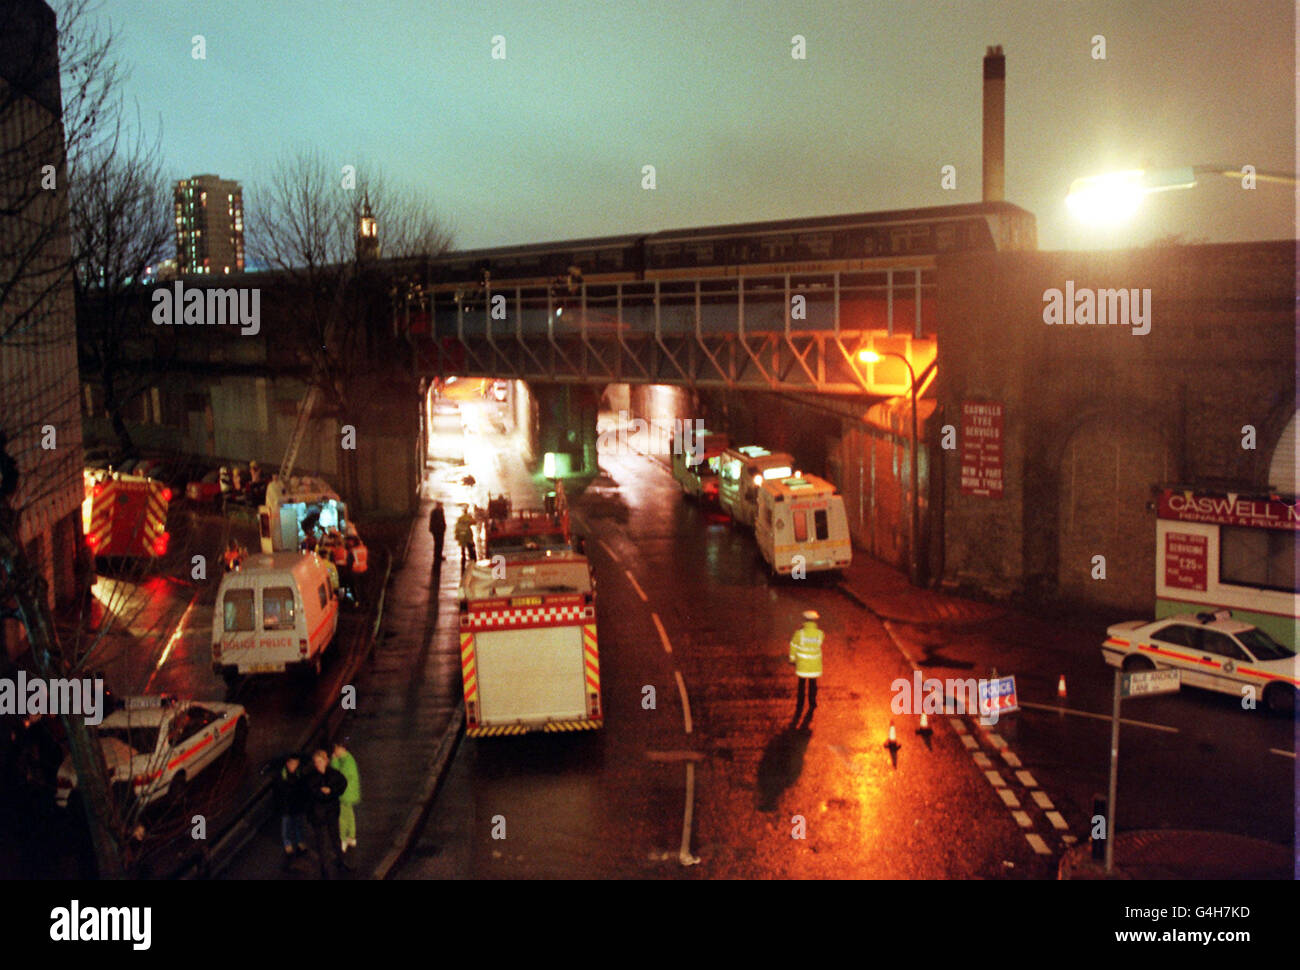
{"x":276,"y":612}
{"x":695,"y":463}
{"x":801,"y":522}
{"x":741,"y":471}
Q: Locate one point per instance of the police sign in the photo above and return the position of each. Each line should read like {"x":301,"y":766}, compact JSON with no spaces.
{"x":998,"y":696}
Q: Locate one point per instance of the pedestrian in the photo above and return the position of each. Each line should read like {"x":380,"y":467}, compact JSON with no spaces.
{"x":465,"y":536}
{"x":324,"y":786}
{"x":438,"y":527}
{"x":290,"y":795}
{"x":346,"y":765}
{"x":806,"y":655}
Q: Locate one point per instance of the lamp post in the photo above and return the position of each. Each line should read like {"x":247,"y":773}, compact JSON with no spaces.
{"x":872,"y":357}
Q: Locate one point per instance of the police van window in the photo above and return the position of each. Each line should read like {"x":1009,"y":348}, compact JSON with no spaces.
{"x":801,"y":526}
{"x":324,"y":597}
{"x":237,"y":610}
{"x":277,"y":608}
{"x":822,"y":524}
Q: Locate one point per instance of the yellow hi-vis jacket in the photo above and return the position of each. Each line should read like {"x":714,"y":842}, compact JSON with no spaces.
{"x":806,"y":650}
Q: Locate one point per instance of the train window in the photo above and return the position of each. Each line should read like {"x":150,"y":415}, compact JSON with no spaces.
{"x":776,"y":247}
{"x":911,"y":239}
{"x":815,"y":245}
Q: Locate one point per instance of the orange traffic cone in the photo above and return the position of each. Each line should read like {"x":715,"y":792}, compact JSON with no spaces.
{"x":1060,"y":687}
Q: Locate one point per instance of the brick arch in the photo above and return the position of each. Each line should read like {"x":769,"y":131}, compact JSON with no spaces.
{"x":1268,"y":437}
{"x":1104,"y":469}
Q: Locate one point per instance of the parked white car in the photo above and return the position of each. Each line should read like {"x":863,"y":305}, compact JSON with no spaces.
{"x":1210,"y":650}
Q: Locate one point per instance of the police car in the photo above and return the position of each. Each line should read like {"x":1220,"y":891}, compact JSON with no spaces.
{"x":155,"y":745}
{"x":1212,"y":651}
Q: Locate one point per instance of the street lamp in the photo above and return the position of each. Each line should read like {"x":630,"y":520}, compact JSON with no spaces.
{"x":1114,"y":196}
{"x":872,"y":357}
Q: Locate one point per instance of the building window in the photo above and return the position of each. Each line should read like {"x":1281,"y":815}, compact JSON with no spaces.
{"x":1262,"y":558}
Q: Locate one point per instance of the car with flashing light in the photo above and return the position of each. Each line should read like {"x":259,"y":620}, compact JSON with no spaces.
{"x":155,"y":745}
{"x":1212,"y":651}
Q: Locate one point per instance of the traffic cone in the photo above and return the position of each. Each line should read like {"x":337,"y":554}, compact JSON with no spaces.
{"x":892,"y":743}
{"x":1060,"y":688}
{"x":924,"y":730}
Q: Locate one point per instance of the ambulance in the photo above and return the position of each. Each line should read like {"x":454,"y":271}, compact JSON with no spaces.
{"x":124,"y":515}
{"x":308,"y":509}
{"x":529,"y":653}
{"x":277,"y":611}
{"x":740,"y":473}
{"x":696,"y":461}
{"x":801,"y":523}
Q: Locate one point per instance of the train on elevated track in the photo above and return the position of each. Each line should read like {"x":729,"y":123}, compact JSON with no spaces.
{"x":823,"y":244}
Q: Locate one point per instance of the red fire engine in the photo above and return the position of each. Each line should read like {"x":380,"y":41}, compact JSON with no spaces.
{"x":125,"y":515}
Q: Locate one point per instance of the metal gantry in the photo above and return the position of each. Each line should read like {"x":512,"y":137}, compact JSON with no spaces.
{"x":789,"y":332}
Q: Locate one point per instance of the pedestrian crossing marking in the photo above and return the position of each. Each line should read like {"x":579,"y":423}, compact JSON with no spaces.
{"x":1057,"y":821}
{"x":1041,"y":799}
{"x":1037,"y":843}
{"x":1026,"y":779}
{"x":1010,"y":758}
{"x":1023,"y":820}
{"x":982,"y":759}
{"x":1009,"y":798}
{"x":995,"y":779}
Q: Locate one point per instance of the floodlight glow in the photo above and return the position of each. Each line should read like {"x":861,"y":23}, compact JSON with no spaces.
{"x":1111,"y":198}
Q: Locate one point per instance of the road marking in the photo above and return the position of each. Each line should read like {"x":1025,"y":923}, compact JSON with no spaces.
{"x":685,"y":857}
{"x":958,"y":726}
{"x":995,"y":779}
{"x":1099,"y":717}
{"x":996,"y":740}
{"x":1023,"y":820}
{"x":608,"y":551}
{"x":686,"y":703}
{"x":637,"y":586}
{"x":1037,"y":843}
{"x":982,"y":759}
{"x":663,"y":635}
{"x":1284,"y":754}
{"x":1026,"y":779}
{"x":1041,"y":799}
{"x":1009,"y":798}
{"x":970,"y":742}
{"x":1010,"y":758}
{"x":1057,"y":821}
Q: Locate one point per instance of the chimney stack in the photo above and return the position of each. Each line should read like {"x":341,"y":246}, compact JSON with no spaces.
{"x":995,"y":83}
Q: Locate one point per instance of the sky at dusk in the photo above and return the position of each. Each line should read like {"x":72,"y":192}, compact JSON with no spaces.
{"x":549,"y":142}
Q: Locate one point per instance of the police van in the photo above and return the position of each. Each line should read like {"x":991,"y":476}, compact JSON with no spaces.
{"x":740,"y":472}
{"x":801,"y":522}
{"x":277,"y":611}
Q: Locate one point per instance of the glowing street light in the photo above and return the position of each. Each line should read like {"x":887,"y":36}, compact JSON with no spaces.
{"x":1114,"y":197}
{"x":872,"y":357}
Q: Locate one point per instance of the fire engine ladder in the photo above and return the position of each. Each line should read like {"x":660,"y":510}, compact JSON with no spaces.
{"x":299,"y":432}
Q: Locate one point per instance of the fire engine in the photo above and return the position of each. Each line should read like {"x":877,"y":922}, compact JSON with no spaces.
{"x":124,"y":515}
{"x":528,"y":647}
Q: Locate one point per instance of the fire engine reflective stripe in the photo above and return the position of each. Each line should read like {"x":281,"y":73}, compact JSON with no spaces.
{"x":468,"y":668}
{"x":587,"y":725}
{"x":591,"y":655}
{"x":520,"y":618}
{"x":500,"y":730}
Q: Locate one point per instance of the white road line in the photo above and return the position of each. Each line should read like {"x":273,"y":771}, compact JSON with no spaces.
{"x":982,"y":759}
{"x":1284,"y":754}
{"x":996,"y":740}
{"x":1099,"y":717}
{"x":1010,"y":758}
{"x":608,"y":551}
{"x":686,"y":703}
{"x":637,"y":586}
{"x":1023,"y":820}
{"x":1009,"y":798}
{"x":1037,"y":843}
{"x":995,"y":779}
{"x":970,"y":742}
{"x":1041,"y":799}
{"x":1057,"y":821}
{"x":684,"y":856}
{"x":958,"y":726}
{"x":1026,"y":779}
{"x":663,"y":634}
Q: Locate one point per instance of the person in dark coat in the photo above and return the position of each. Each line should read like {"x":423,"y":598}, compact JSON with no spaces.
{"x":324,"y":785}
{"x":438,"y":527}
{"x":290,"y":794}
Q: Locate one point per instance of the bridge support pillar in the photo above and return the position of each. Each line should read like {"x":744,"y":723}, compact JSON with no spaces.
{"x":566,"y":425}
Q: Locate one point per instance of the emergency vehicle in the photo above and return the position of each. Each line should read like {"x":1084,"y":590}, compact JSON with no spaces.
{"x":1211,"y":651}
{"x":508,"y":531}
{"x":154,"y":745}
{"x":124,"y":515}
{"x":274,"y":612}
{"x":528,"y":647}
{"x":741,"y":471}
{"x":802,"y":516}
{"x":699,"y":478}
{"x":307,"y":512}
